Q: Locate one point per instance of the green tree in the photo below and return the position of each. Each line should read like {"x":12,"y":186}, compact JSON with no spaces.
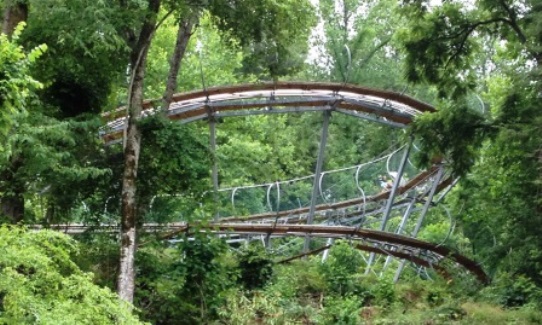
{"x":229,"y":18}
{"x":185,"y":284}
{"x":54,"y":146}
{"x":175,"y":160}
{"x":54,"y":149}
{"x":52,"y":167}
{"x":493,"y":48}
{"x":274,"y":37}
{"x":358,"y":41}
{"x":17,"y":87}
{"x":341,"y":268}
{"x":86,"y":57}
{"x":255,"y":268}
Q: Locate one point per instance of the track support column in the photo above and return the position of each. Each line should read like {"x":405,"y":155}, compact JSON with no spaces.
{"x":317,"y":173}
{"x":391,"y":198}
{"x":326,"y":252}
{"x":214,"y":175}
{"x":426,"y":206}
{"x":402,"y":225}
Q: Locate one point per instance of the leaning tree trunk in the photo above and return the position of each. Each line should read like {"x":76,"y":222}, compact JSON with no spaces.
{"x":128,"y":245}
{"x":13,"y":15}
{"x":183,"y":37}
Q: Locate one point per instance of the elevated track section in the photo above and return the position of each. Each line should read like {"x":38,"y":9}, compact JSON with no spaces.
{"x":382,"y":220}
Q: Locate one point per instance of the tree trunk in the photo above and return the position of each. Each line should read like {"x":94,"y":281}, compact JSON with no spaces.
{"x":13,"y":15}
{"x":12,"y":201}
{"x":13,"y":207}
{"x":126,"y":278}
{"x":183,"y":36}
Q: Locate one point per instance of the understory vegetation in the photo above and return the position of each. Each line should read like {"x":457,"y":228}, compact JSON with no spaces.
{"x":204,"y":281}
{"x":69,"y":67}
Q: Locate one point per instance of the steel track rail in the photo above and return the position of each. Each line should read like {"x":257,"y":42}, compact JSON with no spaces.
{"x":403,"y":243}
{"x":334,"y":206}
{"x":391,"y":107}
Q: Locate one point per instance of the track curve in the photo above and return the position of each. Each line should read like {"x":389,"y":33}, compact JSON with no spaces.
{"x":382,"y":106}
{"x":417,"y":251}
{"x":390,"y":108}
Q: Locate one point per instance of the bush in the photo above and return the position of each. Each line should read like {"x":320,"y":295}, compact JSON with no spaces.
{"x":341,"y":310}
{"x":340,"y":270}
{"x":255,"y":267}
{"x":40,"y":284}
{"x":383,"y":292}
{"x":512,"y":291}
{"x":299,"y":278}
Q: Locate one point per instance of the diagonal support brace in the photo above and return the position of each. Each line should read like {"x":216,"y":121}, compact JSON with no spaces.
{"x":317,"y":173}
{"x":391,"y":198}
{"x":428,"y":202}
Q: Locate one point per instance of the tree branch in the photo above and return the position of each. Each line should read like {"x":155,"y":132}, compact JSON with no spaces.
{"x":183,"y":37}
{"x":512,"y":22}
{"x":467,"y":32}
{"x":369,"y":56}
{"x":163,"y":19}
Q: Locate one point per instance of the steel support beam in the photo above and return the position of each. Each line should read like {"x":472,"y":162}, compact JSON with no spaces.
{"x":389,"y":202}
{"x":405,"y":216}
{"x":402,"y":224}
{"x":428,"y":202}
{"x":317,"y":173}
{"x":212,"y":147}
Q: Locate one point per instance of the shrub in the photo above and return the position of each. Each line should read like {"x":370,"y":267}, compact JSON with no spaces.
{"x":40,"y":284}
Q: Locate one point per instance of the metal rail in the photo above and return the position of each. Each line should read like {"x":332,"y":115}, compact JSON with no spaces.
{"x":382,"y":106}
{"x":403,"y":247}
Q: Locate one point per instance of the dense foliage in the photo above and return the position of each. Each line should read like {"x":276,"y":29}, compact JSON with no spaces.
{"x":63,"y":63}
{"x":489,"y":51}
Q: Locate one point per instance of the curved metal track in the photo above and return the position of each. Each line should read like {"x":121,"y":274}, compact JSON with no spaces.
{"x":287,"y":214}
{"x":390,"y":108}
{"x":387,"y":107}
{"x":380,"y":242}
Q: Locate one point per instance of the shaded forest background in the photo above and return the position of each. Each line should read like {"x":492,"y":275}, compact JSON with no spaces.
{"x":63,"y":63}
